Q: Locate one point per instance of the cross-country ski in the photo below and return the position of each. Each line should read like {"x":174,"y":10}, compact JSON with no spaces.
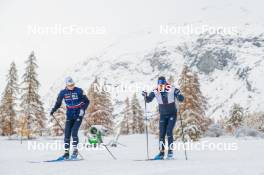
{"x":56,"y":160}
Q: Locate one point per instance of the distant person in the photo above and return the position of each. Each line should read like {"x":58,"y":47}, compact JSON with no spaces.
{"x":166,"y":95}
{"x":76,"y":103}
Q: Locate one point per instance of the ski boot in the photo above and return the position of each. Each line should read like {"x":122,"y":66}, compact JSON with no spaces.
{"x":160,"y":156}
{"x":65,"y":156}
{"x":74,"y":154}
{"x":170,"y":155}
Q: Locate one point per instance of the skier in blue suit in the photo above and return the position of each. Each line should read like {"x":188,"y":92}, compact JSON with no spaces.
{"x":76,"y":103}
{"x":166,"y":96}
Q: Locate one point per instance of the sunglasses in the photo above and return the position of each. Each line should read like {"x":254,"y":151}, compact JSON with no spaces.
{"x":71,"y":85}
{"x":162,"y":82}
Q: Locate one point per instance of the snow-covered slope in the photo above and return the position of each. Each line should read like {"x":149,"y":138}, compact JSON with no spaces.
{"x":230,"y":65}
{"x":231,"y":71}
{"x":230,"y":68}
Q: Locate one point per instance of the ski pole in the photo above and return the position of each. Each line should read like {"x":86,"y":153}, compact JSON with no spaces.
{"x":146,"y":127}
{"x":109,"y":152}
{"x":57,"y":122}
{"x":183,"y":139}
{"x":63,"y":130}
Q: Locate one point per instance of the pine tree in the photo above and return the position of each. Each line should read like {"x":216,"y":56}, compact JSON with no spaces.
{"x":235,"y":121}
{"x":56,"y":129}
{"x":255,"y":121}
{"x":193,"y":108}
{"x":22,"y":127}
{"x":32,"y":108}
{"x":41,"y":118}
{"x":8,"y":103}
{"x":107,"y":106}
{"x":100,"y":109}
{"x":190,"y":87}
{"x":127,"y":119}
{"x":137,"y":116}
{"x":133,"y":121}
{"x":192,"y":127}
{"x":1,"y":121}
{"x":154,"y":123}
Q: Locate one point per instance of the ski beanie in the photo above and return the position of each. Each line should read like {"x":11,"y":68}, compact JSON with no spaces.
{"x":69,"y":81}
{"x":162,"y":80}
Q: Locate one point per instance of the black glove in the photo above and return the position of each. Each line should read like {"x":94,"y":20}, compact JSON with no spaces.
{"x":144,"y":93}
{"x":52,"y":112}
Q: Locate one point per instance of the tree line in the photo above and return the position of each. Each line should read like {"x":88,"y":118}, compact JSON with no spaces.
{"x":28,"y":119}
{"x":21,"y":108}
{"x":22,"y":112}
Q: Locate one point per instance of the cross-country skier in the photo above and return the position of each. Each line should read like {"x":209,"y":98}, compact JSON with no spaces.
{"x":166,"y":95}
{"x":76,"y":103}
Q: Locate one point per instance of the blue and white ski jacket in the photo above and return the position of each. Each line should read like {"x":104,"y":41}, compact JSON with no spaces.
{"x":74,"y":99}
{"x":166,"y":99}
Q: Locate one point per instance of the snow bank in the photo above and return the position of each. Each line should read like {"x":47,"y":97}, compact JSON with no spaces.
{"x":244,"y":132}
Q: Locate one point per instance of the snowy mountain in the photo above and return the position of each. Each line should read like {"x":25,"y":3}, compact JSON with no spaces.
{"x":230,"y":67}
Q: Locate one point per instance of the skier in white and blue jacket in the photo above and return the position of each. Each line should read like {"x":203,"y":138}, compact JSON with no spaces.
{"x":76,"y":103}
{"x":166,"y":96}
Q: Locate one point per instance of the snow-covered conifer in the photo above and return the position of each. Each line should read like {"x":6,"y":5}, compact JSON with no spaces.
{"x":32,"y":107}
{"x":8,"y":111}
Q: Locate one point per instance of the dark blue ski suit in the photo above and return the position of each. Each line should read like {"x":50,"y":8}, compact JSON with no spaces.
{"x":168,"y":112}
{"x":75,"y":101}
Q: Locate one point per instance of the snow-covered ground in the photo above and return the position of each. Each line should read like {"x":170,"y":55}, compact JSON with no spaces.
{"x":247,"y":159}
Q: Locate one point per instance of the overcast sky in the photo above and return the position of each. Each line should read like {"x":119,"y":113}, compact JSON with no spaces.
{"x":56,"y":52}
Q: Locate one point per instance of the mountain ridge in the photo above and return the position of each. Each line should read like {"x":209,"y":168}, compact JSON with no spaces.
{"x":229,"y":68}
